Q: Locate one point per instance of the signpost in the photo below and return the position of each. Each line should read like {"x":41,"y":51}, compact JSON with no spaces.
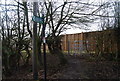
{"x":34,"y":55}
{"x":36,"y":20}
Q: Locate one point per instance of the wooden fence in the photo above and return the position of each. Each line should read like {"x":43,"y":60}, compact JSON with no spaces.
{"x":97,"y":41}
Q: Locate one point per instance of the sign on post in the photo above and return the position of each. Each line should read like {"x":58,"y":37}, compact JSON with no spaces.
{"x":37,"y":19}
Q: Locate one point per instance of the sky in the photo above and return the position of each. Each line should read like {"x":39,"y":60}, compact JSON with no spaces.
{"x":93,"y":26}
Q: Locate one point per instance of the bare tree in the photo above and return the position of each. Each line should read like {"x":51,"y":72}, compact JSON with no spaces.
{"x":14,"y":37}
{"x":60,"y":17}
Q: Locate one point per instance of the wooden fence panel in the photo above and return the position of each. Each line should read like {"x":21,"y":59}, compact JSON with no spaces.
{"x":91,"y":41}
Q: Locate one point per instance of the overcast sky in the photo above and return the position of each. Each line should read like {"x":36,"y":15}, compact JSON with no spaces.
{"x":93,"y":26}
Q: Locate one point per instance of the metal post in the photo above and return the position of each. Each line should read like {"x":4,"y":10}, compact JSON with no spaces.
{"x":44,"y":48}
{"x":0,"y":54}
{"x":34,"y":55}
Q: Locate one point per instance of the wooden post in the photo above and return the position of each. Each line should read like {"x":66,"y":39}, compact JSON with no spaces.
{"x":34,"y":55}
{"x":65,"y":42}
{"x":68,"y":47}
{"x":82,"y":41}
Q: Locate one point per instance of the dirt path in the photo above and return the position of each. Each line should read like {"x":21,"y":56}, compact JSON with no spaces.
{"x":79,"y":68}
{"x":75,"y":69}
